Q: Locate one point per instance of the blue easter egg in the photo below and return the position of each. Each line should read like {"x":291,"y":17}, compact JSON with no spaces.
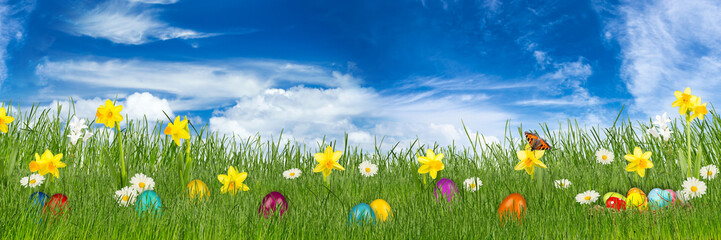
{"x":361,"y":213}
{"x":658,"y":198}
{"x":149,"y":201}
{"x":37,"y":199}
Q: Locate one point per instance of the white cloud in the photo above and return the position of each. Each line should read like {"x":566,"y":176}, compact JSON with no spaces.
{"x":135,"y":106}
{"x":568,"y":82}
{"x":127,"y":22}
{"x":668,"y":46}
{"x":12,"y":21}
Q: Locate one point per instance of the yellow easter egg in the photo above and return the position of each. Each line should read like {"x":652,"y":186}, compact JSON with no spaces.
{"x":636,"y":201}
{"x":382,"y":209}
{"x":635,"y":190}
{"x":198,"y":189}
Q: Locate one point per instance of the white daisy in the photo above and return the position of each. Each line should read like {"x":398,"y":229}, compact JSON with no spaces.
{"x":562,"y":183}
{"x":126,"y":196}
{"x":472,"y":184}
{"x":683,"y":196}
{"x":32,"y":181}
{"x":694,"y":187}
{"x":140,"y":183}
{"x":587,"y":197}
{"x":604,"y":156}
{"x":292,"y":173}
{"x":661,"y":121}
{"x":368,"y":169}
{"x":709,"y":172}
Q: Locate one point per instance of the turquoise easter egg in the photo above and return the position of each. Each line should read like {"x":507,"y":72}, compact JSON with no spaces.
{"x":658,"y":198}
{"x":149,"y":201}
{"x":361,"y":213}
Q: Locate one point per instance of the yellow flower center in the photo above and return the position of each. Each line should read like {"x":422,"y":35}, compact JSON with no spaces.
{"x":329,"y":164}
{"x":141,"y":185}
{"x":32,"y":181}
{"x":685,"y":98}
{"x":368,"y":170}
{"x":292,"y":174}
{"x":109,"y":115}
{"x":436,"y":165}
{"x":2,"y":120}
{"x":604,"y":157}
{"x":709,"y":173}
{"x":694,"y":189}
{"x":473,"y":185}
{"x":563,"y":184}
{"x":642,"y":163}
{"x":587,"y":198}
{"x":126,"y":198}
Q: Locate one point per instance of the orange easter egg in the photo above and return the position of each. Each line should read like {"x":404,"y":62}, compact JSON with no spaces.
{"x":513,"y":206}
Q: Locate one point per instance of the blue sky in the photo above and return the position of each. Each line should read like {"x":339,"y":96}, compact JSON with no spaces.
{"x":400,"y":69}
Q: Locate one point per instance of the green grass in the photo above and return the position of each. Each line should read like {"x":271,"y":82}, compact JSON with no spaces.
{"x":315,"y":214}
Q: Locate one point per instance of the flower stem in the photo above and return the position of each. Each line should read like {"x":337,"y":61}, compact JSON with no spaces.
{"x":187,"y":161}
{"x":688,"y":144}
{"x":424,"y":179}
{"x":123,"y":173}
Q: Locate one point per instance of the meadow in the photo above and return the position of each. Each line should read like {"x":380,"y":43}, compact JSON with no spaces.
{"x":318,"y":210}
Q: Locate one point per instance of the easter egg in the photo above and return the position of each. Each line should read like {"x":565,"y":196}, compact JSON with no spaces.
{"x":673,"y":195}
{"x":447,"y":189}
{"x":198,"y":190}
{"x":149,"y":201}
{"x":38,"y":199}
{"x":636,"y":201}
{"x":635,"y":190}
{"x":616,"y":203}
{"x":612,"y":194}
{"x":513,"y":206}
{"x":56,"y":205}
{"x":658,"y":198}
{"x":272,"y":202}
{"x":361,"y":213}
{"x":381,"y":209}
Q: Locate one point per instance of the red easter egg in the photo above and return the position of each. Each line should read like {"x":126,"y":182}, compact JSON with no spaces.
{"x":513,"y":206}
{"x":56,"y":205}
{"x":616,"y":203}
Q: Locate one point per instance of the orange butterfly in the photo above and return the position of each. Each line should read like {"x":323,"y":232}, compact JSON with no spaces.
{"x":536,"y":142}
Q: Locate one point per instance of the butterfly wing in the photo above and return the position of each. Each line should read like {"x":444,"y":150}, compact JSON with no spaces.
{"x":531,"y":138}
{"x":536,"y":142}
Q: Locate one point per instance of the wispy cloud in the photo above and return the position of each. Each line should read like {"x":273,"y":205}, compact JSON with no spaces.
{"x":12,"y":29}
{"x":128,"y":22}
{"x":667,"y":46}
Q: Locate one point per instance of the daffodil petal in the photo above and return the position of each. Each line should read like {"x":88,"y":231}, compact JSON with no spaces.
{"x":319,"y":167}
{"x":424,"y":169}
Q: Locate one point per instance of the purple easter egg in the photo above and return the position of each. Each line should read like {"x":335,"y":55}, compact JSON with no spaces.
{"x":447,"y":188}
{"x":272,"y":202}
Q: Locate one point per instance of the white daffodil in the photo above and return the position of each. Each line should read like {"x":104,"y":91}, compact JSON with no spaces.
{"x":587,"y":197}
{"x":367,"y":169}
{"x":694,"y":187}
{"x":709,"y":172}
{"x":604,"y":156}
{"x":292,"y":173}
{"x":472,"y":184}
{"x":562,"y":183}
{"x":140,"y":183}
{"x":126,"y":196}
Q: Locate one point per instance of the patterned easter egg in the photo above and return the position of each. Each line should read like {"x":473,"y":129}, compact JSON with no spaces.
{"x":658,"y":198}
{"x":616,"y":203}
{"x":197,"y":190}
{"x":446,"y":188}
{"x":381,"y":209}
{"x":636,"y":201}
{"x":513,"y":207}
{"x":612,"y":194}
{"x":149,"y":201}
{"x":272,"y":202}
{"x":673,"y":195}
{"x":635,"y":190}
{"x":360,"y":214}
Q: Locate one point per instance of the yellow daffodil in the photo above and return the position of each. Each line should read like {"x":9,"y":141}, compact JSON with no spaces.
{"x":684,"y":100}
{"x":529,"y":159}
{"x":233,"y":181}
{"x":109,"y":114}
{"x":4,"y":120}
{"x":431,"y":163}
{"x":47,"y":163}
{"x":699,"y":110}
{"x":639,"y":161}
{"x":178,"y":130}
{"x":327,"y":161}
